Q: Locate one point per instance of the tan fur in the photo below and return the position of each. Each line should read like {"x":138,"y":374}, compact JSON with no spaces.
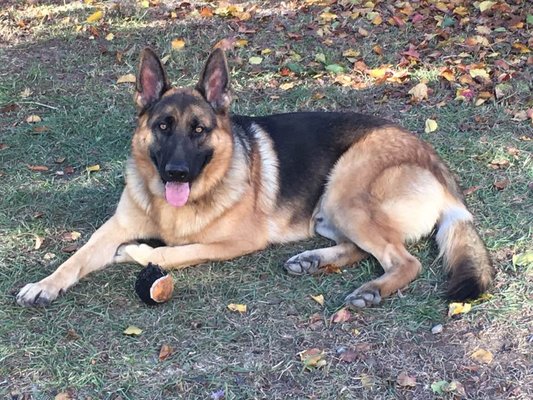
{"x":386,"y":189}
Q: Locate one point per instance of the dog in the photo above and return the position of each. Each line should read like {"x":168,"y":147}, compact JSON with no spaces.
{"x":214,"y":186}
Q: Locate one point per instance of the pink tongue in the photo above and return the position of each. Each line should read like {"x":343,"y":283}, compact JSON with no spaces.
{"x":177,"y":193}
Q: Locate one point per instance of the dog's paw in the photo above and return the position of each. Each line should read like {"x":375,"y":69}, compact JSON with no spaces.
{"x":365,"y":296}
{"x":38,"y":294}
{"x":134,"y":252}
{"x":305,"y":263}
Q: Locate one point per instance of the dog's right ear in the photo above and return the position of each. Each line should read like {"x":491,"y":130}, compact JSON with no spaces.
{"x":151,"y":80}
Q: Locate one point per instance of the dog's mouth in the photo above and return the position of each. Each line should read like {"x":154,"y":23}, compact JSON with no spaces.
{"x":177,"y":193}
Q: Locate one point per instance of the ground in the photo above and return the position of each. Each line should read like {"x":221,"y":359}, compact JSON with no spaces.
{"x":471,"y":65}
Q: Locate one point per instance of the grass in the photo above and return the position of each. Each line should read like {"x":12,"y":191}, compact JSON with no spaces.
{"x":76,"y":345}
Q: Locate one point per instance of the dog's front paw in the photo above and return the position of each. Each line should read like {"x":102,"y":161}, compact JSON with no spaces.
{"x":305,"y":263}
{"x":38,"y":294}
{"x":134,"y":252}
{"x":365,"y":296}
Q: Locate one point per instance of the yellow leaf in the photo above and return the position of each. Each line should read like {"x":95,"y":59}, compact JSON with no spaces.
{"x":38,"y":242}
{"x":287,"y":85}
{"x":33,"y":119}
{"x":241,"y":42}
{"x":447,"y":74}
{"x":483,"y":356}
{"x":75,"y":235}
{"x":165,"y":59}
{"x":62,"y":396}
{"x":312,"y":358}
{"x":377,"y":20}
{"x":109,"y":37}
{"x":419,"y":92}
{"x":486,"y":5}
{"x":319,"y":299}
{"x":128,"y":78}
{"x":237,"y":307}
{"x":327,"y":16}
{"x":479,"y":72}
{"x":351,"y":53}
{"x":93,"y":168}
{"x":96,"y":16}
{"x":458,"y":308}
{"x":132,"y":330}
{"x":378,"y":73}
{"x":431,"y":125}
{"x":145,"y":3}
{"x":266,"y":52}
{"x":178,"y":44}
{"x":255,"y":60}
{"x":521,"y":48}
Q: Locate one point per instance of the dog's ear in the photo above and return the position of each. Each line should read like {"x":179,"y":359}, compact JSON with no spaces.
{"x":151,"y":80}
{"x":214,"y":82}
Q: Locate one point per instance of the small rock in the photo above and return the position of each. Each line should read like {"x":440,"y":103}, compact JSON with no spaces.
{"x":436,"y":329}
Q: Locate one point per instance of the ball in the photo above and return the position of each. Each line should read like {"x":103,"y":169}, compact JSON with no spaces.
{"x":154,"y":285}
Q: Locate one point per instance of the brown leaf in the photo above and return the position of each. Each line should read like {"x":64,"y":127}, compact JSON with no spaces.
{"x":206,"y":12}
{"x":419,"y":92}
{"x":40,"y":129}
{"x":3,"y":146}
{"x":38,"y":168}
{"x":38,"y":242}
{"x":9,"y":108}
{"x":501,"y":184}
{"x":406,"y":380}
{"x":471,"y":190}
{"x":71,"y":248}
{"x":33,"y":119}
{"x":128,"y":78}
{"x":63,"y":396}
{"x":331,"y":269}
{"x":349,"y":356}
{"x":343,"y":315}
{"x":70,"y":236}
{"x":312,"y":358}
{"x":482,"y":356}
{"x":165,"y":352}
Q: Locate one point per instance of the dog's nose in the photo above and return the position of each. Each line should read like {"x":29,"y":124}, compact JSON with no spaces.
{"x":177,"y":172}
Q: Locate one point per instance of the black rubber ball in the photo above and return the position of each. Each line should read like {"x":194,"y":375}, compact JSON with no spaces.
{"x":154,"y":285}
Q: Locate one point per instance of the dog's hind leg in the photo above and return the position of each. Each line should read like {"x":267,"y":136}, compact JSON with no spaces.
{"x":310,"y":262}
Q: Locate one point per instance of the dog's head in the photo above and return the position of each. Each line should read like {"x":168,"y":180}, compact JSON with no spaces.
{"x":184,"y":133}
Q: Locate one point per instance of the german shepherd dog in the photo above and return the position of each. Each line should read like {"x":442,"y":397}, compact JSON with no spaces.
{"x":214,"y":186}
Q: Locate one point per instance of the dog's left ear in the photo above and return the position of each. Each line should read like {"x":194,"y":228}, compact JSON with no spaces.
{"x":214,"y":82}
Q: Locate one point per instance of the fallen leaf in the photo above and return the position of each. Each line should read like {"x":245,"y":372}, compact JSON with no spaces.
{"x":349,"y":356}
{"x":132,"y":330}
{"x":128,"y":78}
{"x":178,"y":44}
{"x":458,"y":308}
{"x":331,"y":269}
{"x":335,"y":68}
{"x":366,"y":380}
{"x":351,"y":53}
{"x":71,"y":236}
{"x":241,"y":42}
{"x":40,"y":129}
{"x":33,"y":119}
{"x":343,"y":315}
{"x":109,"y":37}
{"x":38,"y":242}
{"x":471,"y":190}
{"x":38,"y":168}
{"x":255,"y":60}
{"x":71,"y":248}
{"x":63,"y":396}
{"x":95,"y":17}
{"x":431,"y":126}
{"x":419,"y":92}
{"x":3,"y":146}
{"x":523,"y":259}
{"x":165,"y":352}
{"x":485,"y":5}
{"x":439,"y":387}
{"x":479,"y":73}
{"x":482,"y":356}
{"x":206,"y":12}
{"x":287,"y":85}
{"x":93,"y":168}
{"x":237,"y":307}
{"x":447,"y":74}
{"x":378,"y":50}
{"x":313,"y":358}
{"x":363,"y":32}
{"x":501,"y":184}
{"x":319,"y":299}
{"x":405,"y":380}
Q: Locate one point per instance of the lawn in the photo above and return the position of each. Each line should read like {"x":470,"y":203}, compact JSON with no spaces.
{"x":62,"y":113}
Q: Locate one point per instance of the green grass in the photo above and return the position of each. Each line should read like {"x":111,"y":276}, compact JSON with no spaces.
{"x":77,"y":345}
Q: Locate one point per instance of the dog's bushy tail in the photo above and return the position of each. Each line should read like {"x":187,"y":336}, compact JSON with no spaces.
{"x":465,"y":256}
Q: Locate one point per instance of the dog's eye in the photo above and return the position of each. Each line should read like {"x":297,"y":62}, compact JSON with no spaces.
{"x":199,"y":129}
{"x":163,"y":126}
